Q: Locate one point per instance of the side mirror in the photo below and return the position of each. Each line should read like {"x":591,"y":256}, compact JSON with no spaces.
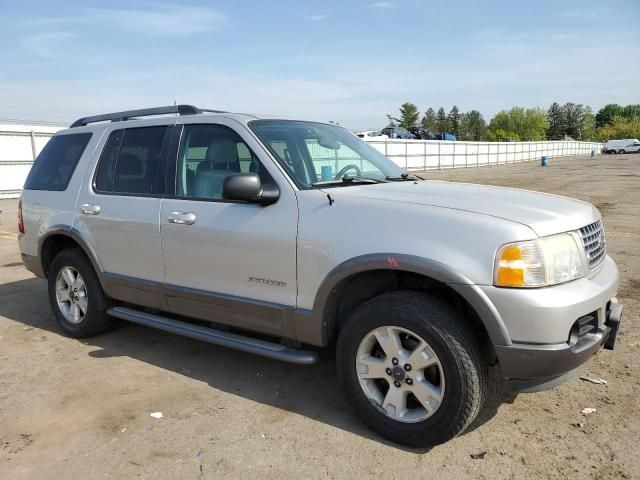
{"x":246,"y":187}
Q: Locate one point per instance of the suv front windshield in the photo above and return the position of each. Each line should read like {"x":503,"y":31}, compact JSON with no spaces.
{"x":320,"y":155}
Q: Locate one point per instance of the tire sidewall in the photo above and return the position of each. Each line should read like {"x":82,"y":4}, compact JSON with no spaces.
{"x":456,"y":385}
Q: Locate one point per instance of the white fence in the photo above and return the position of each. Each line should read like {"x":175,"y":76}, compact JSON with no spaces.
{"x":434,"y":154}
{"x":19,"y":146}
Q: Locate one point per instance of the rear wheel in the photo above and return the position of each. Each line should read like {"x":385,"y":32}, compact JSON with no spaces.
{"x":76,"y":296}
{"x":411,"y":368}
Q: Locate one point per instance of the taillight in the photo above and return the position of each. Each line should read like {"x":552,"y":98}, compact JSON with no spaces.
{"x":20,"y":220}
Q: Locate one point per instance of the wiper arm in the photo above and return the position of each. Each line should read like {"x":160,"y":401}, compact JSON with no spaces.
{"x":403,"y":177}
{"x":359,"y":179}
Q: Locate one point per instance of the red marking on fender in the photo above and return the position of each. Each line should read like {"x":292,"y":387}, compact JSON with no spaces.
{"x":392,"y":261}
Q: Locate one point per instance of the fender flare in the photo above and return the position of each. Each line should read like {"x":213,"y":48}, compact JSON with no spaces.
{"x":440,"y":272}
{"x":72,"y":233}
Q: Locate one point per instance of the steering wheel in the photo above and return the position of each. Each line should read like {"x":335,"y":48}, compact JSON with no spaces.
{"x":344,"y":170}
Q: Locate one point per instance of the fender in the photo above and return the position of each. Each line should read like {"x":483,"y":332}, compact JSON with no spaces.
{"x":440,"y":272}
{"x":74,"y":235}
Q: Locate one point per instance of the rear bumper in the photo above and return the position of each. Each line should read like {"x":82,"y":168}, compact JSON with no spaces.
{"x":538,"y":367}
{"x":33,"y":264}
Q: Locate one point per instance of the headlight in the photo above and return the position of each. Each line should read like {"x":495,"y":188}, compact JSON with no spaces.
{"x":538,"y":263}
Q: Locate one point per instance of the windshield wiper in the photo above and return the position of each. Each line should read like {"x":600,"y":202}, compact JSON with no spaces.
{"x":403,"y":177}
{"x":359,"y":179}
{"x":349,"y":179}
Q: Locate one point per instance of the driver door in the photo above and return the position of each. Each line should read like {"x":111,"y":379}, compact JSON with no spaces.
{"x":227,"y":262}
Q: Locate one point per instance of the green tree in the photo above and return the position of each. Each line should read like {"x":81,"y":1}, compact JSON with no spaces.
{"x":453,"y":121}
{"x":473,"y":127}
{"x":588,"y":124}
{"x":441,"y":122}
{"x":429,"y":120}
{"x":605,"y":114}
{"x":631,"y":111}
{"x":572,"y":116}
{"x":619,"y":127}
{"x":555,"y":118}
{"x":529,"y":124}
{"x":500,"y":135}
{"x":409,"y":115}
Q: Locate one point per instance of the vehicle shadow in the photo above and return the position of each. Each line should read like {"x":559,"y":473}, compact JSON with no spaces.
{"x":312,"y":391}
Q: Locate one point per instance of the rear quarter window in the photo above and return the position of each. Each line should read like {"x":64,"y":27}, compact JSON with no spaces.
{"x":56,"y":163}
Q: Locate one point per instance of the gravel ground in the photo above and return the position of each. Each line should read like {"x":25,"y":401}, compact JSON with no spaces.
{"x":81,"y":409}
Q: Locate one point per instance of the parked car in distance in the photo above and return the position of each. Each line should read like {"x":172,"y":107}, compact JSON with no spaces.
{"x":631,"y":148}
{"x":398,"y":132}
{"x":623,"y":145}
{"x":371,"y":135}
{"x":423,"y":133}
{"x":283,"y":237}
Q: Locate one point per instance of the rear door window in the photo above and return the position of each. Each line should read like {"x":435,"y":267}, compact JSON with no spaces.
{"x":131,"y":162}
{"x":56,"y":163}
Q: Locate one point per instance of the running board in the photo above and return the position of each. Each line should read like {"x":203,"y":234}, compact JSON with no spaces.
{"x":217,"y":337}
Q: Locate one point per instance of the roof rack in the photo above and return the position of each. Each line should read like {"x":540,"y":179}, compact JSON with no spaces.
{"x":145,"y":112}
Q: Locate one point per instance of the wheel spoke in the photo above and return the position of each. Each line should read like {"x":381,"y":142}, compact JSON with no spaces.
{"x":422,"y":357}
{"x":79,"y":283}
{"x":62,"y":295}
{"x":389,"y":340}
{"x":68,"y":276}
{"x":395,"y":402}
{"x":371,"y":367}
{"x":82,"y":304}
{"x":74,"y":313}
{"x":427,"y":394}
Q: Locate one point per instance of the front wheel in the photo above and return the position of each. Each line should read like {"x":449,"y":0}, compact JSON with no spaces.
{"x":411,"y":368}
{"x":76,"y":296}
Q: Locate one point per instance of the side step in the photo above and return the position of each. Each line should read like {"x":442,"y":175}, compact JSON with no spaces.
{"x":217,"y":337}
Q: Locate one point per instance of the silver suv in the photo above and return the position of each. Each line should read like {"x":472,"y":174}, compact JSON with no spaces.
{"x":277,"y":237}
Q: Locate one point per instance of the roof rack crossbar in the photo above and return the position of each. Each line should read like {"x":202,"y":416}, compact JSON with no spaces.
{"x":145,"y":112}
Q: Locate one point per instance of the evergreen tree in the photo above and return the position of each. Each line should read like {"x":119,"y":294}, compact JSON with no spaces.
{"x":441,"y":122}
{"x":409,"y":115}
{"x":555,"y":117}
{"x":453,"y":121}
{"x":473,"y":127}
{"x":429,"y":120}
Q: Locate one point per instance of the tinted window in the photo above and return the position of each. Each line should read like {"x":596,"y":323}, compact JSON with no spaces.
{"x":130,"y":162}
{"x":209,"y":154}
{"x":57,"y":161}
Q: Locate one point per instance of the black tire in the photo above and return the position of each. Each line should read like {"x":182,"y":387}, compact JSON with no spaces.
{"x":464,"y":366}
{"x":95,"y":320}
{"x":621,"y":152}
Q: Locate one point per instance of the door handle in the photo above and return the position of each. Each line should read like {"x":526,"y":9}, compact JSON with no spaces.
{"x":182,"y":218}
{"x":90,"y":209}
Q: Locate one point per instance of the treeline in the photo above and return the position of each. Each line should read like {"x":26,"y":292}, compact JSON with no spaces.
{"x":558,"y":122}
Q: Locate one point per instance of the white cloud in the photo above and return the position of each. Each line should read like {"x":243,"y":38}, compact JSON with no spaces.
{"x":166,"y":20}
{"x":382,"y":5}
{"x":317,"y":18}
{"x":46,"y":44}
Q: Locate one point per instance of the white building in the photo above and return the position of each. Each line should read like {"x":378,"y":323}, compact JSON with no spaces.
{"x":19,"y":146}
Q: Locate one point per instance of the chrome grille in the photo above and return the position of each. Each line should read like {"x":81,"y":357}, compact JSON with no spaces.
{"x":594,"y":243}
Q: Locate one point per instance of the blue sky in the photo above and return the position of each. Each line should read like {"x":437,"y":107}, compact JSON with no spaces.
{"x":348,"y":61}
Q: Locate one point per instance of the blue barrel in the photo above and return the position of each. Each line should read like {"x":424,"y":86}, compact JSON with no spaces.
{"x":593,"y":153}
{"x":544,"y":161}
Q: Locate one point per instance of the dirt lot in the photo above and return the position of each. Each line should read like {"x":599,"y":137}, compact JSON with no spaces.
{"x":80,"y":409}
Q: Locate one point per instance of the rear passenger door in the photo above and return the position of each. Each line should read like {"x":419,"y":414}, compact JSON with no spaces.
{"x":228,"y":262}
{"x":119,"y":209}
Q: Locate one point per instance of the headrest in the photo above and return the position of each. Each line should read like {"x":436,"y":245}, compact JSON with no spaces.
{"x":223,"y":155}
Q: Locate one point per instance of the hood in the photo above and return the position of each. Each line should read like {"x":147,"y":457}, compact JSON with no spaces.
{"x":546,"y":214}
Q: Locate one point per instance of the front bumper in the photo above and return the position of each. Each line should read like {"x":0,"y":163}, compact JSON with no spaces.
{"x":543,"y":352}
